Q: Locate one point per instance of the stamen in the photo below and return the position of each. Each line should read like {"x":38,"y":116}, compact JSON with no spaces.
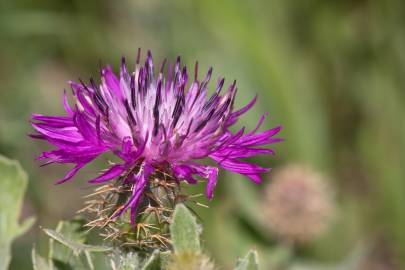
{"x":205,"y":121}
{"x":98,"y":130}
{"x":138,"y":56}
{"x":149,"y":65}
{"x":162,"y":66}
{"x":223,"y":108}
{"x":196,"y":71}
{"x":123,"y":63}
{"x":206,"y":79}
{"x":156,"y":108}
{"x":215,"y":95}
{"x":178,"y":108}
{"x":129,"y":113}
{"x":132,"y":87}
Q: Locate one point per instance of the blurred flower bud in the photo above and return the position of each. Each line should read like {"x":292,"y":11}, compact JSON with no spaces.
{"x":190,"y":261}
{"x":298,"y":204}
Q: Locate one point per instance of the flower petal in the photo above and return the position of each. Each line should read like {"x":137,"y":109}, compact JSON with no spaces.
{"x":234,"y":116}
{"x":212,"y":173}
{"x":240,"y":167}
{"x":114,"y":171}
{"x":141,"y":180}
{"x":71,"y":173}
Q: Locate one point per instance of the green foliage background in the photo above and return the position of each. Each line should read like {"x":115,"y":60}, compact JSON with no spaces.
{"x":331,"y":72}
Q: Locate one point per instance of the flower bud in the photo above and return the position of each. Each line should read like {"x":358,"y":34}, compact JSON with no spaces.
{"x":298,"y":204}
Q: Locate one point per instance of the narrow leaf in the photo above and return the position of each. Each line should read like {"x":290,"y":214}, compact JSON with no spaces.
{"x":76,"y":247}
{"x":13,"y":183}
{"x":126,"y":261}
{"x":184,"y":231}
{"x":62,"y":254}
{"x":38,"y":262}
{"x":153,"y":262}
{"x":250,"y":262}
{"x":165,"y":258}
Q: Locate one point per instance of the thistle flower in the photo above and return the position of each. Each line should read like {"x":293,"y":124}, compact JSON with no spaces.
{"x":155,"y":123}
{"x":298,"y":204}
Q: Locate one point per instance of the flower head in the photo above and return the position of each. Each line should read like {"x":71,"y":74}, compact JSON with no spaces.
{"x":298,"y":204}
{"x":153,"y":121}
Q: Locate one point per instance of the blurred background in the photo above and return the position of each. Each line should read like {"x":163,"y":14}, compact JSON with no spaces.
{"x":330,"y":72}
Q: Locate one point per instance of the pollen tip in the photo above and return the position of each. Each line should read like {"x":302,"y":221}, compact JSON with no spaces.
{"x":163,"y":65}
{"x":138,"y":56}
{"x":196,"y":71}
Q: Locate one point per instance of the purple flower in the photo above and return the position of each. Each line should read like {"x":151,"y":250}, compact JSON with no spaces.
{"x":163,"y":122}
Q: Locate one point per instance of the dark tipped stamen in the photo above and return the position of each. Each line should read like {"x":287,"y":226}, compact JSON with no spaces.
{"x":176,"y":116}
{"x":149,"y":65}
{"x":142,"y":80}
{"x":132,"y":87}
{"x":223,"y":108}
{"x":98,"y":129}
{"x":129,"y":113}
{"x":97,"y":97}
{"x":162,"y":66}
{"x":215,"y":95}
{"x":196,"y":71}
{"x":84,"y":85}
{"x":155,"y":126}
{"x":205,"y":121}
{"x":210,"y":101}
{"x":178,"y":60}
{"x":183,"y":81}
{"x":156,"y":108}
{"x":94,"y":85}
{"x":206,"y":79}
{"x":178,"y":108}
{"x":200,"y":126}
{"x":220,"y":85}
{"x":138,"y":56}
{"x":98,"y":104}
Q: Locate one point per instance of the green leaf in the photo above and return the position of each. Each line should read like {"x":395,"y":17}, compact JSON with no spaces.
{"x":250,"y":262}
{"x":165,"y":258}
{"x":38,"y":262}
{"x":67,"y":248}
{"x":13,"y":183}
{"x":153,"y":262}
{"x":76,"y":247}
{"x":184,"y":231}
{"x":126,"y":261}
{"x":72,"y":230}
{"x":61,"y":255}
